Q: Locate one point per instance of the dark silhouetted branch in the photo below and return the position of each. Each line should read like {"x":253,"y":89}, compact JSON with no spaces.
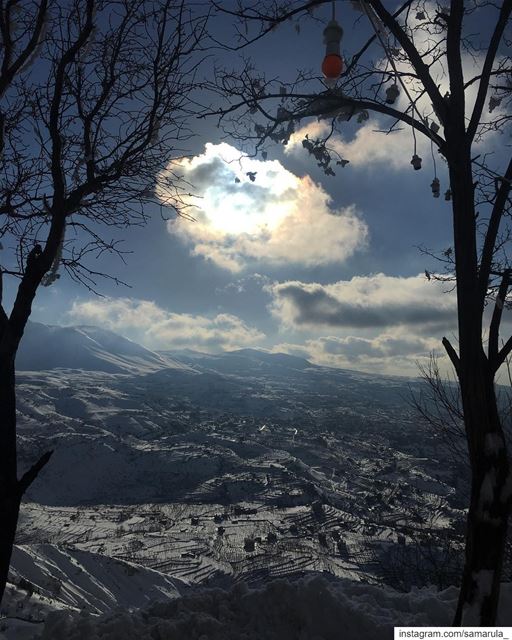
{"x":29,"y":476}
{"x":452,"y":355}
{"x":494,"y":328}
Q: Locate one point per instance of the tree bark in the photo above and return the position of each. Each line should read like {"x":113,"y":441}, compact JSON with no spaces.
{"x":490,"y":503}
{"x":12,"y":489}
{"x":9,"y":511}
{"x":9,"y":490}
{"x":487,"y":519}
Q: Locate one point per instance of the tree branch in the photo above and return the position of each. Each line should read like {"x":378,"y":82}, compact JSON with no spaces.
{"x":506,"y":9}
{"x":356,"y":56}
{"x":492,"y":231}
{"x":452,"y":355}
{"x":9,"y":71}
{"x":503,"y":354}
{"x":496,"y":317}
{"x":29,"y":476}
{"x":415,"y":58}
{"x":55,"y":110}
{"x":453,"y":42}
{"x":3,"y":316}
{"x":369,"y":105}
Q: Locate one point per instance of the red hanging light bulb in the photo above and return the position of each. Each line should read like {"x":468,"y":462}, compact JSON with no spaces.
{"x":332,"y":65}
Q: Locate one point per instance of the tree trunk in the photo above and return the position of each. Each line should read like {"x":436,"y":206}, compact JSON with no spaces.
{"x":11,"y":332}
{"x":9,"y":487}
{"x":488,"y":510}
{"x":9,"y":511}
{"x":490,"y":503}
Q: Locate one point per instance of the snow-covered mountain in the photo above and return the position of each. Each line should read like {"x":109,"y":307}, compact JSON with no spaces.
{"x":88,"y":348}
{"x":83,"y":580}
{"x":212,"y":469}
{"x":243,"y":361}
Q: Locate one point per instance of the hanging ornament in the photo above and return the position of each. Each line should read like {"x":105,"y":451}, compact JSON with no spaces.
{"x":435,"y":186}
{"x":448,"y":194}
{"x":494,"y":102}
{"x":392,"y":94}
{"x":332,"y":65}
{"x":344,"y":114}
{"x":416,"y":162}
{"x":363,"y":116}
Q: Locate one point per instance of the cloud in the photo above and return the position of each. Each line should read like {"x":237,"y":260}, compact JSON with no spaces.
{"x":357,"y":349}
{"x":368,"y":146}
{"x":387,"y":353}
{"x":252,"y":283}
{"x":249,"y":210}
{"x":364,"y":302}
{"x":157,"y":328}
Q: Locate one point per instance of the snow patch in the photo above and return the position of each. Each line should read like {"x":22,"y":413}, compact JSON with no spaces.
{"x":311,"y":608}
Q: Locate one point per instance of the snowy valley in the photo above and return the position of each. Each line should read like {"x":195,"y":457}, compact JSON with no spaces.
{"x":174,"y":472}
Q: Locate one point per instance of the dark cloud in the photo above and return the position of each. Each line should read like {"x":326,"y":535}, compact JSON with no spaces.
{"x":384,"y":346}
{"x":316,"y":305}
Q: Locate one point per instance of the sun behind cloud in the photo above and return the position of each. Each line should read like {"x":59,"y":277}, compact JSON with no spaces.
{"x":248,"y":210}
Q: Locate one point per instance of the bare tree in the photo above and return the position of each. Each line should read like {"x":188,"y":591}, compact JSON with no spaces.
{"x":95,"y":96}
{"x":438,"y":403}
{"x":417,"y":44}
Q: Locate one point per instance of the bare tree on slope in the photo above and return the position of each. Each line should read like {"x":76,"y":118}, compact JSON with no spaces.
{"x":95,"y":97}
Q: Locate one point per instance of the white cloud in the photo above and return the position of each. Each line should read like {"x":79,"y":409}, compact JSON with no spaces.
{"x":364,"y":302}
{"x":368,"y":147}
{"x":276,"y":218}
{"x":157,"y":328}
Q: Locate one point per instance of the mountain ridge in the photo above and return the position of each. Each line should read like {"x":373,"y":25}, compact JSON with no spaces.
{"x":88,"y":348}
{"x":92,"y":348}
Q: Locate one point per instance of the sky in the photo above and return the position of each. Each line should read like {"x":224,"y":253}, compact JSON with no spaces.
{"x":293,"y":261}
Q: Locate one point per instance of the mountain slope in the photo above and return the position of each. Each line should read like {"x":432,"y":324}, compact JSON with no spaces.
{"x":80,"y":580}
{"x":87,"y":348}
{"x":244,"y":362}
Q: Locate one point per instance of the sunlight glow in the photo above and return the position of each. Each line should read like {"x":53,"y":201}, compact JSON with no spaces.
{"x":237,"y":205}
{"x":249,"y":210}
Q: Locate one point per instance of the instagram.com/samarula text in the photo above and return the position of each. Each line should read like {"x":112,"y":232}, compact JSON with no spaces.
{"x":419,"y":633}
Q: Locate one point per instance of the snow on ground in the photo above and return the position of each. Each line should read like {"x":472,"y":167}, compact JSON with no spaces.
{"x":179,"y":444}
{"x":313,"y":608}
{"x":50,"y":578}
{"x":89,"y":348}
{"x":90,"y":581}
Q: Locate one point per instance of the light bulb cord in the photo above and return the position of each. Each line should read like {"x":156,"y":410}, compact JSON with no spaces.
{"x":433,"y":158}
